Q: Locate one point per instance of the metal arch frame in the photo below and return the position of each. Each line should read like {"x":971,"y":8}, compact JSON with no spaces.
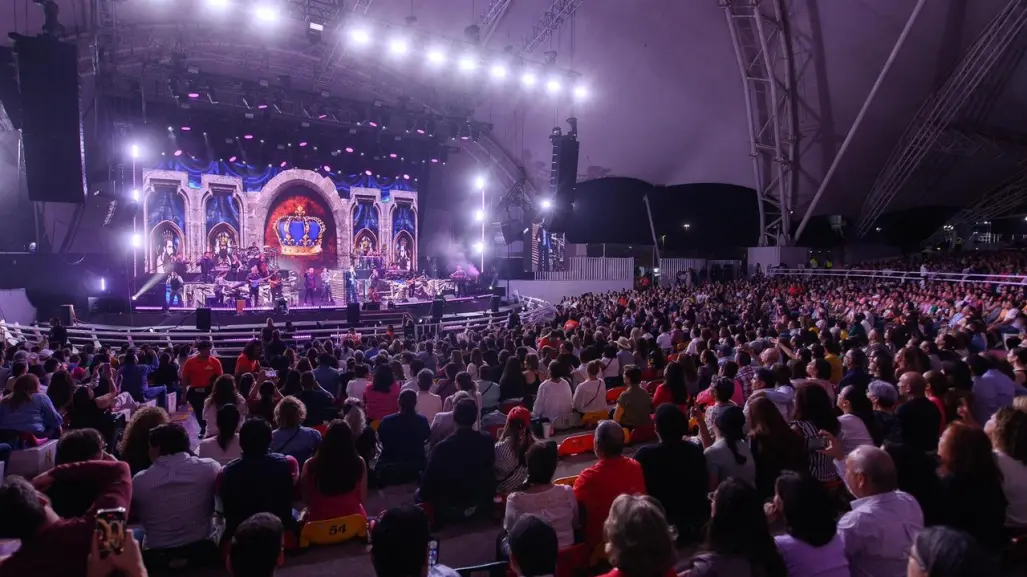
{"x":995,"y":203}
{"x":941,"y":109}
{"x":549,"y":22}
{"x":490,"y":18}
{"x":768,"y":81}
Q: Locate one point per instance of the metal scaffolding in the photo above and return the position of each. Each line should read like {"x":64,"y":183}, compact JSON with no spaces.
{"x":491,"y":17}
{"x":997,"y":202}
{"x":942,"y":108}
{"x":765,"y":61}
{"x":330,"y":59}
{"x":549,"y":22}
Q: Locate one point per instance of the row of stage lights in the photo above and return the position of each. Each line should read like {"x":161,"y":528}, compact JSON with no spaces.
{"x":479,"y":214}
{"x":399,"y":47}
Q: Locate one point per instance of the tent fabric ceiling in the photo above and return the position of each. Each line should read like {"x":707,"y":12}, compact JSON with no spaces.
{"x":667,"y":104}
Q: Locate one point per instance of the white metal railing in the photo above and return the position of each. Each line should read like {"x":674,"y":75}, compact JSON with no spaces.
{"x":899,"y":275}
{"x":592,"y":268}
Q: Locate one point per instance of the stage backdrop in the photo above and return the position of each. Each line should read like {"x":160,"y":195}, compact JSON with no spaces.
{"x":311,"y":219}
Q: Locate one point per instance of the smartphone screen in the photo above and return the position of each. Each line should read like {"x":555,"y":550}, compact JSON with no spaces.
{"x":271,"y":374}
{"x":433,"y":552}
{"x":110,"y":530}
{"x":818,"y":443}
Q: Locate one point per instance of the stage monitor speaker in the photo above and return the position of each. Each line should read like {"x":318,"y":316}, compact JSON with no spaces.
{"x":494,"y":303}
{"x":372,"y":306}
{"x":438,"y":307}
{"x":66,"y":314}
{"x":353,"y":314}
{"x":51,"y":119}
{"x":203,"y":319}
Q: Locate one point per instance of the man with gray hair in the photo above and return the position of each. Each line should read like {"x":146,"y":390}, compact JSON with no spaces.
{"x":614,"y":475}
{"x":879,"y":531}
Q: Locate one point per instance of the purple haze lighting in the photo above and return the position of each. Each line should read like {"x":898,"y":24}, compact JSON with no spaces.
{"x":348,"y":149}
{"x":393,"y":155}
{"x":283,"y":164}
{"x":178,"y":152}
{"x":194,"y":95}
{"x":186,"y":129}
{"x":367,"y":172}
{"x":304,"y":143}
{"x":248,"y":136}
{"x":231,"y":159}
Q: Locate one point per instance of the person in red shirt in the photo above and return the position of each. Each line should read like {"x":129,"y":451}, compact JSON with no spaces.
{"x":198,"y":374}
{"x":614,"y":475}
{"x":51,"y":545}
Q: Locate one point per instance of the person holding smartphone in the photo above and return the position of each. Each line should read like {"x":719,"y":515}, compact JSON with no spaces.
{"x":402,"y":545}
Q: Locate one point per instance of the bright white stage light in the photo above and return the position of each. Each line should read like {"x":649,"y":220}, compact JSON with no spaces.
{"x":135,"y":151}
{"x":135,"y":194}
{"x":528,"y":80}
{"x":317,"y":27}
{"x":580,"y":92}
{"x":360,"y":36}
{"x":398,"y":47}
{"x":136,"y":240}
{"x":498,"y":71}
{"x":547,"y":204}
{"x":217,"y":3}
{"x":103,"y":284}
{"x":479,"y":215}
{"x":553,"y":86}
{"x":266,"y":14}
{"x":479,"y":182}
{"x":436,"y":57}
{"x":479,"y":247}
{"x":468,"y":63}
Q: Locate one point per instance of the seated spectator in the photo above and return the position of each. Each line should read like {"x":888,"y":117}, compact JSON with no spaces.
{"x":320,"y":403}
{"x":134,"y":378}
{"x":26,"y":410}
{"x":811,"y":546}
{"x":674,"y":388}
{"x":555,"y":400}
{"x":972,"y":485}
{"x":428,"y":403}
{"x":1008,"y":432}
{"x":738,"y":541}
{"x":992,"y":389}
{"x":919,"y":418}
{"x":224,"y":447}
{"x":539,"y":496}
{"x":166,"y":373}
{"x":639,"y":542}
{"x":51,"y":544}
{"x":380,"y":399}
{"x":78,"y":445}
{"x":675,"y":473}
{"x":134,"y":447}
{"x":258,"y":482}
{"x":91,"y":409}
{"x":447,"y":384}
{"x":223,"y":393}
{"x":334,"y":481}
{"x":263,"y":399}
{"x":511,"y":465}
{"x":947,"y":552}
{"x":534,"y":548}
{"x":774,"y":445}
{"x":729,"y":455}
{"x":488,"y":388}
{"x":884,"y":397}
{"x":613,"y":475}
{"x":403,"y":436}
{"x":722,"y":390}
{"x":366,"y":436}
{"x":257,"y":547}
{"x":590,"y":394}
{"x":176,"y":477}
{"x":814,"y":413}
{"x":248,"y":360}
{"x":917,"y":473}
{"x":327,"y":373}
{"x":459,"y":475}
{"x":443,"y":425}
{"x":291,"y":437}
{"x":464,"y":383}
{"x":399,"y":545}
{"x":634,"y":405}
{"x":358,"y":386}
{"x":60,"y":391}
{"x":856,"y":422}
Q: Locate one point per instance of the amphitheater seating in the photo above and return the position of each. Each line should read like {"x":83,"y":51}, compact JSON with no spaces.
{"x":332,"y":531}
{"x":32,"y":461}
{"x":592,"y":419}
{"x":613,"y":394}
{"x":576,"y":445}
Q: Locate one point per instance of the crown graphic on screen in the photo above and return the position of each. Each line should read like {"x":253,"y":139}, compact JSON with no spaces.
{"x":299,"y":234}
{"x":167,"y":235}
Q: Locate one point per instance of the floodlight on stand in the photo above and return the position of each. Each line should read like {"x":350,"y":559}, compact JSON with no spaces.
{"x":436,"y":57}
{"x":468,"y":63}
{"x":135,"y":151}
{"x":553,"y":86}
{"x":479,"y":247}
{"x":135,"y":195}
{"x":498,"y":71}
{"x":136,"y":240}
{"x":580,"y":92}
{"x":398,"y":47}
{"x":528,"y":80}
{"x":360,"y":36}
{"x":479,"y":183}
{"x":479,"y":215}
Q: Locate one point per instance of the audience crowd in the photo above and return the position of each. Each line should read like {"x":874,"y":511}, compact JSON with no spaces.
{"x":797,"y":427}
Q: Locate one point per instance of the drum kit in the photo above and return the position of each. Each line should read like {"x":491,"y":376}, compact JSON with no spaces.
{"x":269,"y":253}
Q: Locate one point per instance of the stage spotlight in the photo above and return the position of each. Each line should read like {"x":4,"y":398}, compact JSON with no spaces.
{"x":282,"y":165}
{"x":479,"y":183}
{"x":231,"y":158}
{"x":135,"y":151}
{"x":498,"y":71}
{"x":367,"y":172}
{"x":136,"y":240}
{"x":266,"y":14}
{"x":247,"y":137}
{"x":393,"y":155}
{"x":479,"y":215}
{"x":528,"y":80}
{"x":185,"y":128}
{"x":398,"y":47}
{"x":580,"y":92}
{"x":479,"y":247}
{"x":468,"y":63}
{"x":547,"y":204}
{"x":406,"y":177}
{"x":360,"y":36}
{"x":327,"y":168}
{"x":349,"y":150}
{"x":436,"y":57}
{"x":103,"y":284}
{"x":316,"y":27}
{"x":178,"y":152}
{"x":302,"y":144}
{"x":217,"y":3}
{"x":553,"y":86}
{"x":135,"y":194}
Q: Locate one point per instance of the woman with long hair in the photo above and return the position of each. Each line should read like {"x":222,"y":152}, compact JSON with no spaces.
{"x":738,"y":541}
{"x":512,"y":384}
{"x":972,"y":485}
{"x":674,"y":388}
{"x":947,"y":552}
{"x":656,"y":363}
{"x":292,"y":383}
{"x":477,"y":361}
{"x":248,"y":360}
{"x":60,"y":390}
{"x":26,"y":410}
{"x":1008,"y":432}
{"x":333,"y":483}
{"x":729,"y":455}
{"x":381,"y":398}
{"x":538,"y":495}
{"x":134,"y":447}
{"x":222,"y":393}
{"x":811,"y":546}
{"x":262,"y":400}
{"x":857,"y":419}
{"x":366,"y":436}
{"x":224,"y":447}
{"x":511,"y":463}
{"x":814,"y":413}
{"x":775,"y":447}
{"x":532,"y":378}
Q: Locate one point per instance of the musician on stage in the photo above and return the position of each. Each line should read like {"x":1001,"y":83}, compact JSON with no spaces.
{"x":262,"y":267}
{"x":461,"y":281}
{"x":206,"y":265}
{"x":310,"y":280}
{"x":351,"y":286}
{"x":173,"y":290}
{"x":254,"y":279}
{"x":276,"y":285}
{"x":235,"y":266}
{"x":219,"y":289}
{"x":326,"y":286}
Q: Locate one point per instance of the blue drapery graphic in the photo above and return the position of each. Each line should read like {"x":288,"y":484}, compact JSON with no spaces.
{"x":222,"y":208}
{"x":365,"y":216}
{"x":254,"y":178}
{"x":403,"y":219}
{"x":165,"y":204}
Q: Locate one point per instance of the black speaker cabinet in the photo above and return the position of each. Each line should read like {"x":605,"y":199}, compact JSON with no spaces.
{"x":203,"y":319}
{"x":353,"y":314}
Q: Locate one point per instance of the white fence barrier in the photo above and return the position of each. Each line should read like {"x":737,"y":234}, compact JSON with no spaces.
{"x":898,"y":275}
{"x":592,"y":268}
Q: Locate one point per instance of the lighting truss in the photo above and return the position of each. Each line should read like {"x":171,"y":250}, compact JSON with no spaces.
{"x":941,"y":109}
{"x":995,"y":203}
{"x":549,"y":22}
{"x":327,"y":67}
{"x":490,"y":18}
